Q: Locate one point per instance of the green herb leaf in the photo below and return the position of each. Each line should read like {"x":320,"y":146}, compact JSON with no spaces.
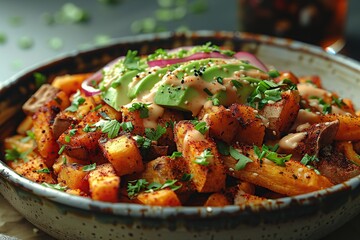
{"x":204,"y":158}
{"x":241,"y":158}
{"x":274,"y":73}
{"x":136,"y":186}
{"x":61,"y":149}
{"x":215,"y":101}
{"x":307,"y":159}
{"x":202,"y":127}
{"x":77,"y":101}
{"x":176,"y":154}
{"x":142,"y":107}
{"x":266,"y":152}
{"x":88,"y":168}
{"x":154,"y":135}
{"x":143,"y":142}
{"x":186,"y":177}
{"x":40,"y":79}
{"x":111,"y":127}
{"x":3,"y":38}
{"x":44,"y":170}
{"x":127,"y":126}
{"x":132,"y":61}
{"x":57,"y":186}
{"x":88,"y":128}
{"x":265,"y":92}
{"x":30,"y":135}
{"x":223,"y":148}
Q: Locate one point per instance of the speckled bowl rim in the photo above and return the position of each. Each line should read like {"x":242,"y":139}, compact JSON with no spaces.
{"x":136,"y":210}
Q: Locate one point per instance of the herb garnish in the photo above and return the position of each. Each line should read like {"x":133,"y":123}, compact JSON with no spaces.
{"x":143,"y":142}
{"x":265,"y":92}
{"x":241,"y":158}
{"x":77,"y":101}
{"x":136,"y":186}
{"x":186,"y":177}
{"x":176,"y":155}
{"x":202,"y":127}
{"x":88,"y":168}
{"x":155,"y":134}
{"x":204,"y":158}
{"x":14,"y":155}
{"x":44,"y":170}
{"x":111,"y":127}
{"x":57,"y":186}
{"x":29,"y":135}
{"x":270,"y":153}
{"x":142,"y":107}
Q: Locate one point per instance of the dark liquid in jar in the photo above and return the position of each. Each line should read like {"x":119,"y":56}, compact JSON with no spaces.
{"x":319,"y":22}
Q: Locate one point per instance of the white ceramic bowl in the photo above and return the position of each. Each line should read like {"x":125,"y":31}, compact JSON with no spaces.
{"x":63,"y":216}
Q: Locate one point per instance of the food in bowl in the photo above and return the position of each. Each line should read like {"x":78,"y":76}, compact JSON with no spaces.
{"x":192,"y":126}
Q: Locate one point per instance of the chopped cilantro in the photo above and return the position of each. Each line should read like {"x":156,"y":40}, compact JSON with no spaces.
{"x":241,"y":158}
{"x":142,"y":107}
{"x":88,"y":128}
{"x":88,"y":168}
{"x":265,"y":92}
{"x":3,"y":38}
{"x":127,"y":126}
{"x":14,"y":155}
{"x":274,"y":73}
{"x":132,"y":61}
{"x":61,"y":149}
{"x":204,"y":158}
{"x":223,"y":147}
{"x":57,"y":186}
{"x":44,"y":170}
{"x":271,"y":154}
{"x":136,"y":186}
{"x":338,"y":102}
{"x":202,"y":127}
{"x":143,"y":142}
{"x":186,"y":177}
{"x":40,"y":79}
{"x":215,"y":101}
{"x":77,"y":101}
{"x":111,"y":127}
{"x":176,"y":154}
{"x":307,"y":159}
{"x":155,"y":134}
{"x":29,"y":135}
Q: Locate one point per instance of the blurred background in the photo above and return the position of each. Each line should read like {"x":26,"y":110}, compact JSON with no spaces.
{"x":33,"y":32}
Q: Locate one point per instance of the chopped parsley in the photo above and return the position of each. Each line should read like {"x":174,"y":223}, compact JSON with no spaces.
{"x":326,"y":107}
{"x":44,"y":170}
{"x":127,"y":126}
{"x":89,"y":128}
{"x":77,"y":101}
{"x":223,"y":148}
{"x":202,"y":127}
{"x":338,"y":102}
{"x":204,"y":158}
{"x":29,"y":135}
{"x":40,"y":79}
{"x":57,"y":186}
{"x":143,"y":142}
{"x":142,"y":107}
{"x":265,"y":92}
{"x":155,"y":134}
{"x":136,"y":186}
{"x":14,"y":155}
{"x":111,"y":127}
{"x":186,"y":177}
{"x":241,"y":158}
{"x":176,"y":155}
{"x":132,"y":61}
{"x":307,"y":159}
{"x":88,"y":168}
{"x":270,"y":153}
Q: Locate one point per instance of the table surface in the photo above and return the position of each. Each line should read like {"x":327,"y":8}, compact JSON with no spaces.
{"x":27,"y":39}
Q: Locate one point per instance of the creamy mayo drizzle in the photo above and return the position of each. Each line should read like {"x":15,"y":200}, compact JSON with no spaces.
{"x":307,"y":90}
{"x":291,"y":141}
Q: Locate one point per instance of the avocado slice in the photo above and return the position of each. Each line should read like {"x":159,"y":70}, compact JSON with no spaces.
{"x":175,"y":97}
{"x":147,"y":83}
{"x":117,"y":97}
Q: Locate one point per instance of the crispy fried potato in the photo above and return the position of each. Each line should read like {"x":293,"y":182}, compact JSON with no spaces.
{"x":164,"y":197}
{"x":42,"y":120}
{"x":282,"y":114}
{"x":122,"y":152}
{"x":222,"y":124}
{"x":292,"y":179}
{"x":104,"y":184}
{"x":252,"y":128}
{"x":72,"y":176}
{"x":349,"y":126}
{"x":209,"y":177}
{"x":70,"y":83}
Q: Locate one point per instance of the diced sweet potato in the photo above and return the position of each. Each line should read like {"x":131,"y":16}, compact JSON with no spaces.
{"x":122,"y":152}
{"x":349,"y":126}
{"x":104,"y":184}
{"x":222,"y":124}
{"x":252,"y":129}
{"x":164,"y":197}
{"x":72,"y":176}
{"x":165,"y":168}
{"x":135,"y":119}
{"x":217,"y":200}
{"x":42,"y":120}
{"x":32,"y":168}
{"x":209,"y":176}
{"x":282,"y":114}
{"x":70,"y":83}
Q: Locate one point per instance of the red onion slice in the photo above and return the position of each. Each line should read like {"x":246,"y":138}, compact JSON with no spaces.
{"x":86,"y":85}
{"x":195,"y":56}
{"x":252,"y":59}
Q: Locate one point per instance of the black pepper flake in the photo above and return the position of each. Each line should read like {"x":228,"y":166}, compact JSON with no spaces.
{"x":294,"y":176}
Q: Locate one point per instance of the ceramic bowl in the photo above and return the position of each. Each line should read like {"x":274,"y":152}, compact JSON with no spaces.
{"x":308,"y":216}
